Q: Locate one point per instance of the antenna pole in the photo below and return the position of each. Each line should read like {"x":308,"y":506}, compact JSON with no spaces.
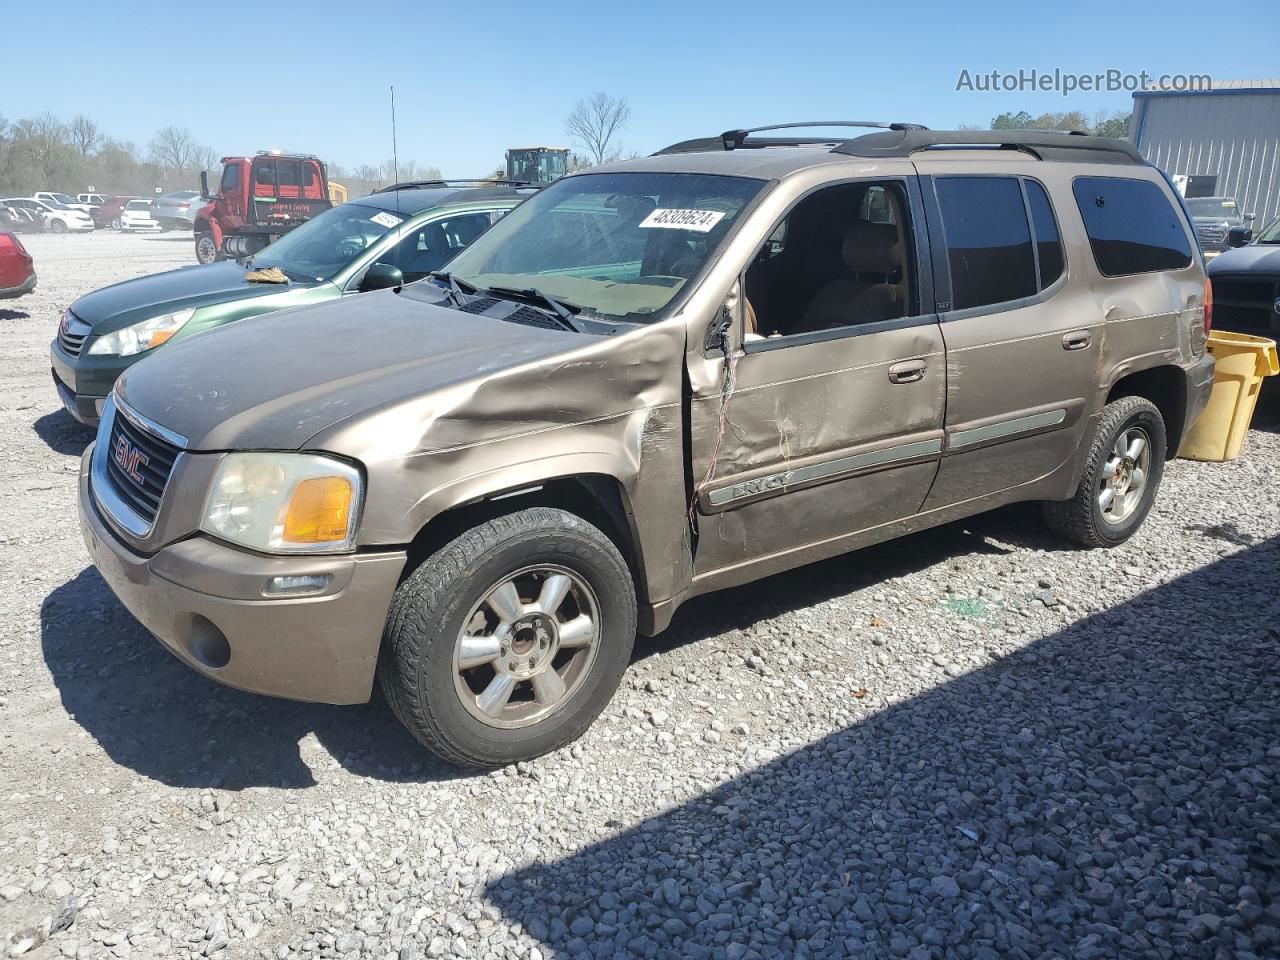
{"x":395,"y":156}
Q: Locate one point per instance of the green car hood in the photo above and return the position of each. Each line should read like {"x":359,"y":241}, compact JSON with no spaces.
{"x":132,"y":301}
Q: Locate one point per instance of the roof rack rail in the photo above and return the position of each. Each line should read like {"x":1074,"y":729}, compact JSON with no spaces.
{"x":1041,"y":144}
{"x":457,"y":182}
{"x":737,"y":139}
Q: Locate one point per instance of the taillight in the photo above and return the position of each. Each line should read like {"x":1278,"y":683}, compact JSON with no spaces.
{"x":1208,"y":306}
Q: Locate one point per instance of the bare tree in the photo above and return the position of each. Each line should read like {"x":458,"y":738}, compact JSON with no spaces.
{"x":173,"y":148}
{"x":85,"y":135}
{"x":206,"y":158}
{"x":595,"y":122}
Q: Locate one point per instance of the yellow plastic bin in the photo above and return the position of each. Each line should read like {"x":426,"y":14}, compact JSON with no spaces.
{"x":1243,"y":361}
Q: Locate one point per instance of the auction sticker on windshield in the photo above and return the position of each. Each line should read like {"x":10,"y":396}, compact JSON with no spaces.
{"x":386,"y":219}
{"x":700,"y":221}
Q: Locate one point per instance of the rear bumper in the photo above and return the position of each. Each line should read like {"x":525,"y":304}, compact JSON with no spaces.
{"x":1199,"y":386}
{"x":203,"y":600}
{"x":21,"y":290}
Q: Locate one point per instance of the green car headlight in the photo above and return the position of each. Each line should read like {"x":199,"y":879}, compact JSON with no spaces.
{"x":137,"y":337}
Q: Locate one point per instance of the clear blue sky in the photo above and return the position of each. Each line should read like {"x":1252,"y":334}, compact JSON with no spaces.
{"x":473,"y":79}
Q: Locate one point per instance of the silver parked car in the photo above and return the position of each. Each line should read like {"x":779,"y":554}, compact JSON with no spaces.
{"x":177,"y":211}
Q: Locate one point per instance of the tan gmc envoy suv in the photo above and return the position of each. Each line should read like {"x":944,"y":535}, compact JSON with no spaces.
{"x":651,"y":380}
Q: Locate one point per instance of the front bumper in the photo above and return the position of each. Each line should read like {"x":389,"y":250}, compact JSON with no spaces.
{"x":22,"y":289}
{"x":203,"y":600}
{"x":1199,"y":386}
{"x":84,"y":382}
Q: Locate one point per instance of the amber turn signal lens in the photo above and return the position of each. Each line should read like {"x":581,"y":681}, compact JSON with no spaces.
{"x":159,"y":337}
{"x":320,"y":511}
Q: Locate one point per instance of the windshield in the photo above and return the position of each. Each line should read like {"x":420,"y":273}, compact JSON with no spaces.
{"x":53,"y":204}
{"x":325,"y":244}
{"x":62,"y":198}
{"x":618,"y":245}
{"x":1272,"y":232}
{"x":138,"y":205}
{"x":1212,"y":207}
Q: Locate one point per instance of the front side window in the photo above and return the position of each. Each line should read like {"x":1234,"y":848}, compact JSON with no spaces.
{"x":430,"y":246}
{"x":840,"y":259}
{"x":988,"y":240}
{"x":620,"y":246}
{"x":1132,"y":226}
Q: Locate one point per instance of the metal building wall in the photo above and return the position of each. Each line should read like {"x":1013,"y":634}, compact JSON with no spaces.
{"x":1232,"y":133}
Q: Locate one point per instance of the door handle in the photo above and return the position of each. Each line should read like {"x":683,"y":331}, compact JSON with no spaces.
{"x":908,"y":371}
{"x":1076,"y":340}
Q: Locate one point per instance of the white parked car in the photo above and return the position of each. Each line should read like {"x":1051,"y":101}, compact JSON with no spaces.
{"x":57,"y":217}
{"x":136,"y":216}
{"x":51,"y":198}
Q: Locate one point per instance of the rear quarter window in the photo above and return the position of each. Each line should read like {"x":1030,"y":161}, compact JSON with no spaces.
{"x":1132,"y":226}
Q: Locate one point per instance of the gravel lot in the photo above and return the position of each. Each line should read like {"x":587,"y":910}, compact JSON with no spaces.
{"x":967,"y":743}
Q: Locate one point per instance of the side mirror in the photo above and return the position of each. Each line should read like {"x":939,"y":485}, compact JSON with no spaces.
{"x":1250,"y":217}
{"x":380,"y":276}
{"x":204,"y":185}
{"x":1239,"y":236}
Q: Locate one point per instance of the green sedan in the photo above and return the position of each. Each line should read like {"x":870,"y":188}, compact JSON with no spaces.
{"x":381,"y":240}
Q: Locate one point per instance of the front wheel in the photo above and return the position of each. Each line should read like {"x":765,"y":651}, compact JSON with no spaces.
{"x":1122,"y":473}
{"x":206,"y":249}
{"x":508,"y":642}
{"x":57,"y":226}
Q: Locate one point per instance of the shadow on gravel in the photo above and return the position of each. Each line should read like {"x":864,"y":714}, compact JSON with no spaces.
{"x":1109,"y":791}
{"x":63,"y":433}
{"x":153,"y":714}
{"x":14,"y":315}
{"x":741,"y":607}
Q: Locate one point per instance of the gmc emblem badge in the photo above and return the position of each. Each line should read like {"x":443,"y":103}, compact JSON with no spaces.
{"x":129,"y":459}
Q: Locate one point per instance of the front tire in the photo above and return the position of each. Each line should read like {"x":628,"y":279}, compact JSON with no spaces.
{"x":57,"y":226}
{"x":206,"y":248}
{"x":1122,"y":474}
{"x":508,"y":642}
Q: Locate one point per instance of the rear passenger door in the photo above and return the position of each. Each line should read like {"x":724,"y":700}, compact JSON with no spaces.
{"x":1022,"y":352}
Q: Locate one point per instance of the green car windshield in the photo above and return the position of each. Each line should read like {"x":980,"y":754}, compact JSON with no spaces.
{"x":1272,"y":233}
{"x":618,"y":246}
{"x":321,"y":247}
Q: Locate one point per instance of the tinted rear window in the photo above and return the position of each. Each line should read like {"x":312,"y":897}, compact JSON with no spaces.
{"x":1048,"y":241}
{"x":1132,"y":226}
{"x":988,"y":240}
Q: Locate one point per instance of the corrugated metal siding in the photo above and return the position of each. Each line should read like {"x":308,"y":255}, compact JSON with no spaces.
{"x":1233,"y":136}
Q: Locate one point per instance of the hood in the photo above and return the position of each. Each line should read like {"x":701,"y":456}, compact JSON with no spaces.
{"x":1259,"y":258}
{"x":121,"y":304}
{"x":277,"y":382}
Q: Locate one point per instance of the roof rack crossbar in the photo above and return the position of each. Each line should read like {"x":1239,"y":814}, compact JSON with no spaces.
{"x":456,"y":181}
{"x":1041,"y":144}
{"x":737,"y":139}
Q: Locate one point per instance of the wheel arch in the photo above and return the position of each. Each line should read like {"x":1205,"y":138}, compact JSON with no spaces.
{"x":598,"y":498}
{"x":1166,"y":387}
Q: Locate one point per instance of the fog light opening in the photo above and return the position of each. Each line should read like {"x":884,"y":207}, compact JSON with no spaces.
{"x":297,"y":586}
{"x":207,"y":644}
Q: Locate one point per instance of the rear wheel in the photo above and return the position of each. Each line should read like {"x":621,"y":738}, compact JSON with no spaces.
{"x":507,"y":643}
{"x":206,"y":248}
{"x":1121,"y":476}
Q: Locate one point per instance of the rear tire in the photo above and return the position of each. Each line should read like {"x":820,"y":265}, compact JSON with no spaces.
{"x":206,"y":248}
{"x":1121,"y":477}
{"x":447,"y":613}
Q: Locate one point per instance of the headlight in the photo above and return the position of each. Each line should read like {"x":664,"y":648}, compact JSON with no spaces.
{"x":284,"y":502}
{"x":137,"y":337}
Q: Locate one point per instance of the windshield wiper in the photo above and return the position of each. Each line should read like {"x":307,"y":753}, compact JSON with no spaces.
{"x":562,"y":308}
{"x":456,"y":293}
